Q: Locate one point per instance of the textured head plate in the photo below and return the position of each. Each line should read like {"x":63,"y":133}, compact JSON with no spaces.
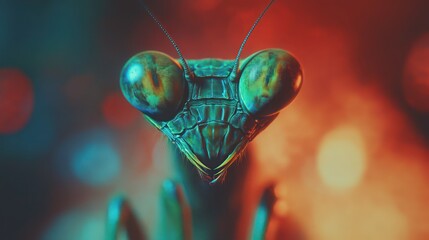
{"x":212,"y":129}
{"x":219,"y":116}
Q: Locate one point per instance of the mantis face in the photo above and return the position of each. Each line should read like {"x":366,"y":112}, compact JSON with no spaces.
{"x":212,"y":114}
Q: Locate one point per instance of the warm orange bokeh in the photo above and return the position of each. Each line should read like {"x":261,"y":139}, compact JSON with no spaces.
{"x":353,"y":164}
{"x":16,"y":100}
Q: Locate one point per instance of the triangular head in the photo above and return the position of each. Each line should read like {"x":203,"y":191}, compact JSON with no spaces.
{"x":211,"y":115}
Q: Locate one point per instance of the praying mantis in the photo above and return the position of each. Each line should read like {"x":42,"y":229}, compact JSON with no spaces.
{"x":209,"y":109}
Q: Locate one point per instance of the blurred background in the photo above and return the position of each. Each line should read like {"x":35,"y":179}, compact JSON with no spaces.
{"x":350,"y":154}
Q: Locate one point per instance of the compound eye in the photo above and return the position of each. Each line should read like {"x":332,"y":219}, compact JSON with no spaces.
{"x":153,"y":82}
{"x":269,"y":81}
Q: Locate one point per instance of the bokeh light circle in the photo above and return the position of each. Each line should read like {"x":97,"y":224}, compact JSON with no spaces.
{"x":95,"y":163}
{"x":341,"y":160}
{"x":16,"y":100}
{"x":416,"y":75}
{"x":91,"y":157}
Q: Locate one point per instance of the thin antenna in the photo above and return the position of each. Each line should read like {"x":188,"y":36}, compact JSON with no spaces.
{"x":237,"y":59}
{"x":188,"y":72}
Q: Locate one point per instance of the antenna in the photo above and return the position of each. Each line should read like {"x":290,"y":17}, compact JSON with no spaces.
{"x":188,"y":72}
{"x":237,"y":59}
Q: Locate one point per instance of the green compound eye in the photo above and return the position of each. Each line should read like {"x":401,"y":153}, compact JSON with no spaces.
{"x":153,"y":82}
{"x":269,"y":81}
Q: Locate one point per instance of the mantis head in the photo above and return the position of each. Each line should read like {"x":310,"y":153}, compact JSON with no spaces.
{"x":212,"y":114}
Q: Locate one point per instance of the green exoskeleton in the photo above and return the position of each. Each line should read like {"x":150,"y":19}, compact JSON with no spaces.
{"x":210,"y":109}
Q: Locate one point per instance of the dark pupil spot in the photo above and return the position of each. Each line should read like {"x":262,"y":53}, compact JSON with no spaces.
{"x":153,"y":72}
{"x":269,"y":75}
{"x":155,"y":78}
{"x":270,"y":71}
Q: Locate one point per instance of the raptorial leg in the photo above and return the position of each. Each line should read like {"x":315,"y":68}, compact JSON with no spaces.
{"x":263,"y":214}
{"x":175,"y":213}
{"x":120,"y":217}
